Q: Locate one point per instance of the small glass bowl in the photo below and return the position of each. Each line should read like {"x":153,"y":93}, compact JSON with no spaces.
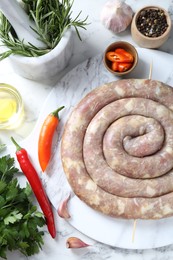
{"x":11,"y":107}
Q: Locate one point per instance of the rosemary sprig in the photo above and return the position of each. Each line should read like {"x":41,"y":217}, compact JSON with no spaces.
{"x":13,"y":44}
{"x":52,"y":18}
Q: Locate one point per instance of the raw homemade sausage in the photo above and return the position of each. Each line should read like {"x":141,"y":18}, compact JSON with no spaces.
{"x":117,"y":149}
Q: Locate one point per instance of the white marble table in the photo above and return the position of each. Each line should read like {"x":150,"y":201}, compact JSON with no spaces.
{"x":95,"y":40}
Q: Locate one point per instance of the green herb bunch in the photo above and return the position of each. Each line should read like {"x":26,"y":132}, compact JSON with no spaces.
{"x":20,"y":221}
{"x":51,"y":17}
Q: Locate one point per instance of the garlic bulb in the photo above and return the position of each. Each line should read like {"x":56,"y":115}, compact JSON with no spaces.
{"x":116,"y":15}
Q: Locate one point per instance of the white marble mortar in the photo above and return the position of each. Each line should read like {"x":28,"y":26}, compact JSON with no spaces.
{"x":45,"y":68}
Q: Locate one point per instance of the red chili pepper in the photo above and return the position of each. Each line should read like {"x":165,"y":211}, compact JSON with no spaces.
{"x":115,"y":66}
{"x":125,"y":53}
{"x":124,"y":66}
{"x":110,"y":56}
{"x":46,"y":137}
{"x":118,"y":57}
{"x":36,"y":185}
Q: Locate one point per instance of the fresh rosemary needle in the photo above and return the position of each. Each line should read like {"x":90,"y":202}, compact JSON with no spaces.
{"x":51,"y":17}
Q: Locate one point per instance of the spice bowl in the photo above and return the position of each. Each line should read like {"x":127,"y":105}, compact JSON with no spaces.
{"x":151,"y":27}
{"x":128,"y":54}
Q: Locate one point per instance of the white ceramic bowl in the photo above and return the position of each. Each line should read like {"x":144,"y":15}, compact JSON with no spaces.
{"x":45,"y":68}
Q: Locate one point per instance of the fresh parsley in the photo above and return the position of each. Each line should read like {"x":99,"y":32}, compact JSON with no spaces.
{"x":52,"y":19}
{"x":20,"y":221}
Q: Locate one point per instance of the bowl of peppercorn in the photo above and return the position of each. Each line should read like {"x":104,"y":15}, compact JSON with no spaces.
{"x":151,"y":27}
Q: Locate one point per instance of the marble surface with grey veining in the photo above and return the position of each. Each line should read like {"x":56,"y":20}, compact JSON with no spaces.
{"x":94,"y":41}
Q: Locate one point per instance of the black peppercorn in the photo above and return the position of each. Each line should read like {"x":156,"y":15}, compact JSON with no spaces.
{"x":152,"y":22}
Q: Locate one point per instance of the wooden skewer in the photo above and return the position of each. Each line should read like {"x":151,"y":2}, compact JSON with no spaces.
{"x":151,"y":68}
{"x":134,"y":230}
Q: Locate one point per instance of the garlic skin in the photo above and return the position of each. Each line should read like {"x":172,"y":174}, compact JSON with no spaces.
{"x":74,"y":242}
{"x":116,"y":15}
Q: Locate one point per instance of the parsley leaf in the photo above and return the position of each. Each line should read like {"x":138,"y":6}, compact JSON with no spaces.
{"x":20,"y":222}
{"x":13,"y":217}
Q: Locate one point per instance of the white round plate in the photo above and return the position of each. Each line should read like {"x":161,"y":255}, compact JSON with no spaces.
{"x":68,"y":92}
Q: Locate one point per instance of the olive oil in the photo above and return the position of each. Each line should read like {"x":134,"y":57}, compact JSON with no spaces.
{"x":7,"y":109}
{"x":11,"y":107}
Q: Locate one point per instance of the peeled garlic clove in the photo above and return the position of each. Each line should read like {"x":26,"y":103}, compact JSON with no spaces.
{"x":116,"y":15}
{"x":74,"y":242}
{"x":63,"y":209}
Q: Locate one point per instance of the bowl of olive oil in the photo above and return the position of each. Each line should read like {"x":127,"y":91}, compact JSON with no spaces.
{"x":11,"y":107}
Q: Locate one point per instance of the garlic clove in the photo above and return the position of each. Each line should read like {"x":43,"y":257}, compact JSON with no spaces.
{"x":74,"y":242}
{"x":63,"y":209}
{"x":116,"y":15}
